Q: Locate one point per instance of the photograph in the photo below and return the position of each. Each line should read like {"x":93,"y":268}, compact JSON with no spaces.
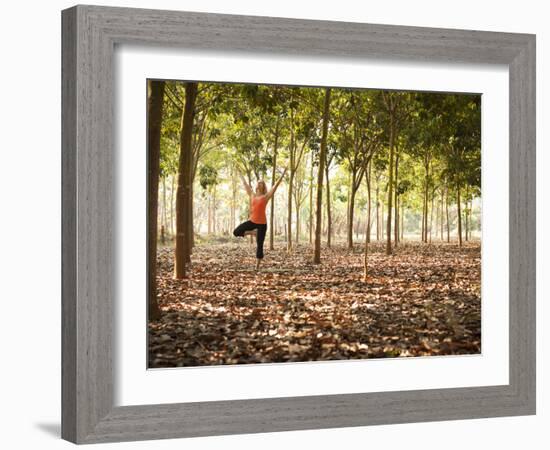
{"x":290,"y":224}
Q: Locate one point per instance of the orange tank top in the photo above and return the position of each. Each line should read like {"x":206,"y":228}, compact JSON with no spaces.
{"x":257,"y":209}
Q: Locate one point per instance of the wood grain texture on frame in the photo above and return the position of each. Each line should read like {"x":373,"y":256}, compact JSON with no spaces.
{"x":89,"y":34}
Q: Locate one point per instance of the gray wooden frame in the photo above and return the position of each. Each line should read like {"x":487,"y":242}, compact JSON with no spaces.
{"x":89,"y":34}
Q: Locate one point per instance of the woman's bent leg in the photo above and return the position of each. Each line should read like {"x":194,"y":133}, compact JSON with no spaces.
{"x":244,"y":227}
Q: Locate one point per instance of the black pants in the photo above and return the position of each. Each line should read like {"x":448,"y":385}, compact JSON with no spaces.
{"x":260,"y":234}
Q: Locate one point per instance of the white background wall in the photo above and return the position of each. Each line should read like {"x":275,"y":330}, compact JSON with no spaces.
{"x":31,"y":228}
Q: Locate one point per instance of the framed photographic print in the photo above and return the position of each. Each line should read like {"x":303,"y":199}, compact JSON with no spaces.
{"x":277,"y":224}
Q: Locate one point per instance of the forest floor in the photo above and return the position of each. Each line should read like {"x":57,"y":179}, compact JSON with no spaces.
{"x":423,"y":300}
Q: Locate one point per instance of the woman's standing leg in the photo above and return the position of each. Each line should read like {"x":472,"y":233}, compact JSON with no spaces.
{"x":260,"y":238}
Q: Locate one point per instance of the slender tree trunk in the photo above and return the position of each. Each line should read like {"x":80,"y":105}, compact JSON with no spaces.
{"x":289,"y":210}
{"x":437,"y":217}
{"x":209,"y":207}
{"x":423,"y":214}
{"x":431,"y":217}
{"x":291,"y":183}
{"x":382,"y":232}
{"x":234,"y":200}
{"x":367,"y":237}
{"x":163,"y":214}
{"x":466,"y":224}
{"x":402,"y":228}
{"x":377,"y":211}
{"x":351,"y":210}
{"x":397,"y":219}
{"x":470,"y":211}
{"x":297,"y":222}
{"x":193,"y":215}
{"x":324,"y":230}
{"x":214,"y":230}
{"x":396,"y":224}
{"x":367,"y":233}
{"x":172,"y":206}
{"x":183,"y":207}
{"x":272,"y":206}
{"x":191,"y":218}
{"x":390,"y":185}
{"x":311,"y":202}
{"x":459,"y":215}
{"x":164,"y":204}
{"x":466,"y":219}
{"x":273,"y":174}
{"x":365,"y":262}
{"x":329,"y":215}
{"x":447,"y":214}
{"x":426,"y":199}
{"x":441,"y":217}
{"x":347,"y":209}
{"x":154,"y":114}
{"x":322,"y":161}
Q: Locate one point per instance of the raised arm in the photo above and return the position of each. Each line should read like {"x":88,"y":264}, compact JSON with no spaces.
{"x":276,"y":185}
{"x":246,"y":185}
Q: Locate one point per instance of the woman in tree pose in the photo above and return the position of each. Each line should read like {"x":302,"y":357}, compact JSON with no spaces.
{"x":257,"y":223}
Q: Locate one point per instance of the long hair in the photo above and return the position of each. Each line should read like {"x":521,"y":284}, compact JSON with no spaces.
{"x":261,"y":187}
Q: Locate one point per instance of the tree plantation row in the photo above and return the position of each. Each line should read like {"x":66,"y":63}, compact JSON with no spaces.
{"x":219,"y":208}
{"x":361,"y":165}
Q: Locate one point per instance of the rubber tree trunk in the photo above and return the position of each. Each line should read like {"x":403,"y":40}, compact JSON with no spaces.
{"x":311,"y":202}
{"x":163,"y":214}
{"x":292,"y":171}
{"x":431,"y":217}
{"x":297,"y":223}
{"x":470,"y":211}
{"x":183,"y":206}
{"x":190,"y":220}
{"x":441,"y":217}
{"x":365,"y":261}
{"x":459,"y":215}
{"x":154,"y":115}
{"x":351,"y":212}
{"x":272,"y":206}
{"x":425,"y":203}
{"x":367,"y":233}
{"x":447,"y":214}
{"x":329,"y":214}
{"x":423,"y":216}
{"x":289,"y":211}
{"x":390,"y":186}
{"x":214,"y":228}
{"x":369,"y":219}
{"x":172,"y":206}
{"x":437,"y":215}
{"x":273,"y":174}
{"x":402,"y":227}
{"x":209,"y":215}
{"x":233,"y":200}
{"x":396,"y":224}
{"x":466,"y":221}
{"x":377,"y":211}
{"x":322,"y":161}
{"x":382,"y":234}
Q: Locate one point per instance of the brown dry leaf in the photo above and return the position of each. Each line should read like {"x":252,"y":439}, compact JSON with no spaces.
{"x":423,"y":300}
